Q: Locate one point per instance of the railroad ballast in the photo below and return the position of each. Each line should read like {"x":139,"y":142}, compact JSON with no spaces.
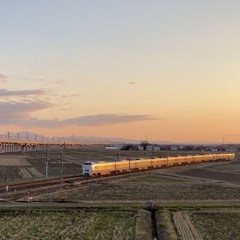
{"x":101,"y":168}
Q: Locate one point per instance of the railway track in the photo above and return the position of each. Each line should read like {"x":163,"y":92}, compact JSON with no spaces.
{"x":20,"y":186}
{"x":13,"y":189}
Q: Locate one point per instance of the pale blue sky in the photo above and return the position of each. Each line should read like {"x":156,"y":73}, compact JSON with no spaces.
{"x":161,"y":67}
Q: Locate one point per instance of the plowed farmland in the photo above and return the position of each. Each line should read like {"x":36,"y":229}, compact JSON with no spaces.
{"x":227,"y":172}
{"x":135,"y":189}
{"x":193,"y":202}
{"x":221,"y":225}
{"x":68,"y":224}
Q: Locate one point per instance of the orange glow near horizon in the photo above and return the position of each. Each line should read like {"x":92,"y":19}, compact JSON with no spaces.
{"x":166,"y":69}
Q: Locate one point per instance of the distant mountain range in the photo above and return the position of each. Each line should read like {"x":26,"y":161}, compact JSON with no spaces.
{"x":29,"y":136}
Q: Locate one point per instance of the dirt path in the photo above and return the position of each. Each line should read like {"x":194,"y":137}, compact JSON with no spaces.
{"x":24,"y":162}
{"x":24,"y":173}
{"x":34,"y":172}
{"x":185,"y":227}
{"x":27,"y":171}
{"x":13,"y":161}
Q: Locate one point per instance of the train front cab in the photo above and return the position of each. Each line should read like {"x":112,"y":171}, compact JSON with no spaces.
{"x":87,"y":169}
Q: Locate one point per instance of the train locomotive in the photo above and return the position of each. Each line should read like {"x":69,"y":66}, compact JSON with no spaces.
{"x":101,"y":168}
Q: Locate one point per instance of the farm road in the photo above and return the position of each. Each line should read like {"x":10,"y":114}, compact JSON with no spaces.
{"x":24,"y":203}
{"x":13,"y":161}
{"x":185,"y":227}
{"x":28,"y":172}
{"x":25,"y":168}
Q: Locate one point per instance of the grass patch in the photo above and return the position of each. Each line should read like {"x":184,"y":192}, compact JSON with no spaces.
{"x":165,"y":225}
{"x":156,"y":191}
{"x":217,"y":225}
{"x":143,"y":225}
{"x":71,"y":224}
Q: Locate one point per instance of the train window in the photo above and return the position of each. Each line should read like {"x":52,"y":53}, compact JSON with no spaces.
{"x":87,"y":163}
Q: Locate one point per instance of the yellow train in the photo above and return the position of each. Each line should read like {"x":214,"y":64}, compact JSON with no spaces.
{"x":101,"y":168}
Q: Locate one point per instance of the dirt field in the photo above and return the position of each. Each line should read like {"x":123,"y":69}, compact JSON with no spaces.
{"x":17,"y":160}
{"x":217,"y":224}
{"x":215,"y":182}
{"x":135,"y":189}
{"x":207,"y":224}
{"x":16,"y":166}
{"x":35,"y":162}
{"x":229,"y":172}
{"x":72,"y":158}
{"x":94,"y":224}
{"x":160,"y":186}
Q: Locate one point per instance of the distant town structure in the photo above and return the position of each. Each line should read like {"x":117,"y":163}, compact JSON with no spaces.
{"x":13,"y":142}
{"x":21,"y":145}
{"x":165,"y":147}
{"x":25,"y":141}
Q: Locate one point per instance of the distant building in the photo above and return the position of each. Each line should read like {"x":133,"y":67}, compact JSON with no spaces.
{"x":113,"y":147}
{"x":174,"y":147}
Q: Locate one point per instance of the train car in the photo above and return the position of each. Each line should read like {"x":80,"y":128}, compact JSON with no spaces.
{"x":102,"y":168}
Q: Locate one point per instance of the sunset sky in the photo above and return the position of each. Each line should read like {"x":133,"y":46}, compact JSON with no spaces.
{"x":168,"y":70}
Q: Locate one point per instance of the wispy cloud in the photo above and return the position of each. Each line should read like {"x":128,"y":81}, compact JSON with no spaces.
{"x":131,"y":83}
{"x":18,"y":107}
{"x":19,"y":112}
{"x":91,"y":121}
{"x":60,"y":81}
{"x":21,"y":93}
{"x":104,"y":119}
{"x":3,"y":78}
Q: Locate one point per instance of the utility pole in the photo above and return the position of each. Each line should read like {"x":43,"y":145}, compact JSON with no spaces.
{"x":46,"y":163}
{"x":61,"y":168}
{"x":7,"y":189}
{"x":118,"y":155}
{"x":115,"y":171}
{"x":129,"y":159}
